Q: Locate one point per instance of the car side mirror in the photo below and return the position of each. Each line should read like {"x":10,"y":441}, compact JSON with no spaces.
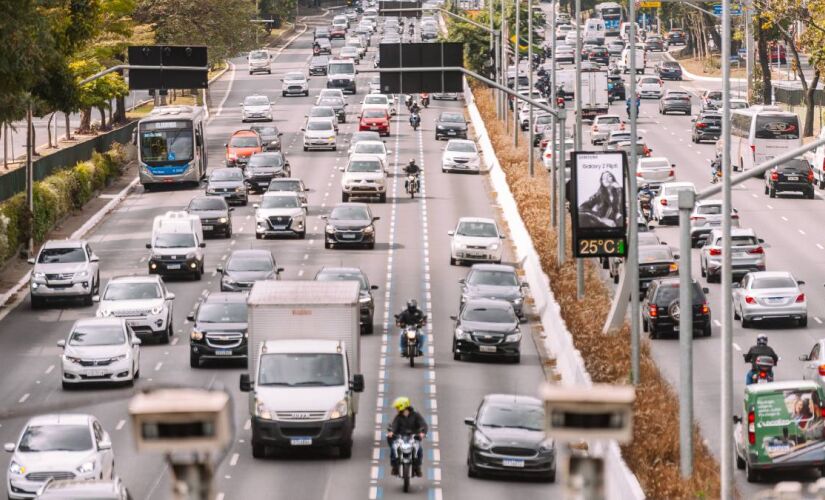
{"x":501,"y":237}
{"x":760,"y":240}
{"x":341,"y":169}
{"x":9,"y":447}
{"x":225,"y":145}
{"x":279,"y":270}
{"x":462,"y":281}
{"x":737,"y":419}
{"x":804,"y":357}
{"x":706,"y":290}
{"x":62,"y":343}
{"x":324,"y":217}
{"x":676,"y":256}
{"x":470,"y":421}
{"x":202,"y":244}
{"x":245,"y":383}
{"x":357,"y":383}
{"x":94,"y":258}
{"x":450,"y":233}
{"x":219,"y":269}
{"x":256,"y":205}
{"x":374,"y":287}
{"x":30,"y":261}
{"x":104,"y":444}
{"x":231,"y":209}
{"x":170,"y":296}
{"x":95,"y":298}
{"x":454,"y":318}
{"x":149,"y":246}
{"x":800,"y":282}
{"x":376,"y":218}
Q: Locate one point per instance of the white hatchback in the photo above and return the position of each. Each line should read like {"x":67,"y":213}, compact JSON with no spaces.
{"x":603,"y":125}
{"x":650,"y":86}
{"x":103,"y":350}
{"x":655,"y":171}
{"x":379,"y":100}
{"x":460,"y":155}
{"x":475,"y":239}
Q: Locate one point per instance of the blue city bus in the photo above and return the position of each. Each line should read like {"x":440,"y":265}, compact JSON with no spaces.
{"x":611,"y":13}
{"x":171,"y":146}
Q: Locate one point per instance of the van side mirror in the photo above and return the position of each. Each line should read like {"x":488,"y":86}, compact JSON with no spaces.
{"x":149,"y":246}
{"x":705,"y":290}
{"x":62,"y":343}
{"x":190,"y":317}
{"x":462,"y":281}
{"x":245,"y":383}
{"x":737,"y":419}
{"x":470,"y":421}
{"x":31,"y":261}
{"x":219,"y":269}
{"x":357,"y":384}
{"x":804,"y":357}
{"x":202,"y":244}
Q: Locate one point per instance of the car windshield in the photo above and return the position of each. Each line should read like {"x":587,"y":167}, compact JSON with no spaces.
{"x":518,"y":416}
{"x":648,"y":239}
{"x":285,"y":186}
{"x":349,"y":213}
{"x":742,"y":241}
{"x":773,"y":282}
{"x":488,"y":315}
{"x":207,"y":203}
{"x":243,"y":141}
{"x":609,"y":120}
{"x":738,"y":105}
{"x":61,"y":255}
{"x":256,"y":100}
{"x":365,"y":136}
{"x":795,"y":166}
{"x":375,"y":100}
{"x":42,"y":438}
{"x":319,"y":125}
{"x":294,"y":76}
{"x":668,"y":292}
{"x":280,"y":202}
{"x":709,"y":209}
{"x":715,"y":96}
{"x":166,"y":141}
{"x":265,"y":130}
{"x":649,"y":81}
{"x":364,"y":166}
{"x":342,"y":276}
{"x":670,"y":65}
{"x":301,"y":369}
{"x":654,"y":254}
{"x":249,"y":263}
{"x":477,"y":229}
{"x":331,"y":102}
{"x":132,"y":291}
{"x":375,"y":113}
{"x":493,"y":278}
{"x":228,"y":174}
{"x":342,"y":68}
{"x":94,"y":335}
{"x":677,"y":95}
{"x":461,"y":147}
{"x":674,"y":190}
{"x":174,"y":240}
{"x":369,"y":148}
{"x":267,"y":160}
{"x":451,"y":118}
{"x":222,"y":312}
{"x":257,"y":55}
{"x":654,"y":163}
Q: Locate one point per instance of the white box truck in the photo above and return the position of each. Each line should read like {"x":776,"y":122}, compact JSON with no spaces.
{"x":595,"y":99}
{"x":566,"y":79}
{"x":304,"y":341}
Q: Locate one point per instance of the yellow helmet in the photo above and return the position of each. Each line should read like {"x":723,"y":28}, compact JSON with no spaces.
{"x":401,"y":403}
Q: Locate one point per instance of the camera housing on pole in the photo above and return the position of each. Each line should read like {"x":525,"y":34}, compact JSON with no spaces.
{"x":600,"y":412}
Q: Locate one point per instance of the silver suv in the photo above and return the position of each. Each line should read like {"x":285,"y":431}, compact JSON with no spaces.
{"x":64,"y":268}
{"x":143,"y":301}
{"x":260,"y":62}
{"x":747,"y":253}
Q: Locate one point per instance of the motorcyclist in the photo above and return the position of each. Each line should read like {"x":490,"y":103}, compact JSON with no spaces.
{"x":414,"y":108}
{"x":645,"y":190}
{"x":316,"y":47}
{"x":638,"y":105}
{"x":406,"y":422}
{"x":760,"y":349}
{"x":415,"y":119}
{"x":425,"y":98}
{"x":716,"y":168}
{"x":412,"y":315}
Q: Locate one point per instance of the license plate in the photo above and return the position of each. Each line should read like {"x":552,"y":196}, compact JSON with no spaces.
{"x":675,"y":328}
{"x":776,"y":301}
{"x":793,"y":178}
{"x":512,"y":463}
{"x":373,"y":127}
{"x":208,"y":228}
{"x":778,"y":448}
{"x":451,"y":132}
{"x":348,"y":236}
{"x":487,"y":348}
{"x":95,"y":373}
{"x":304,"y":441}
{"x":172,"y":266}
{"x":223,"y":352}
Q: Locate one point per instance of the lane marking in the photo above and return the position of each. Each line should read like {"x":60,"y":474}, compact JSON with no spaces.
{"x":736,"y":346}
{"x":816,"y":318}
{"x":49,"y":369}
{"x":234,"y":460}
{"x":120,"y":424}
{"x":23,"y":398}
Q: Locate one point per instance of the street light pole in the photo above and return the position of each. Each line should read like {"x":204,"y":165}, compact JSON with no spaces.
{"x":30,"y":177}
{"x":578,"y":143}
{"x":562,"y":236}
{"x":554,"y":136}
{"x":633,"y":233}
{"x":687,"y":199}
{"x":530,"y":148}
{"x":516,"y":55}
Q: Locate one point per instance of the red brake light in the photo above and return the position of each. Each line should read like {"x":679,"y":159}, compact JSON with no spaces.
{"x":763,"y":375}
{"x":800,"y":297}
{"x":663,"y":201}
{"x":715,"y":251}
{"x":705,"y":308}
{"x":701,"y":125}
{"x":751,"y":427}
{"x":672,"y":173}
{"x":654,"y":311}
{"x":810,"y":175}
{"x":774,"y":175}
{"x":757,"y":250}
{"x":822,"y":369}
{"x":750,"y":300}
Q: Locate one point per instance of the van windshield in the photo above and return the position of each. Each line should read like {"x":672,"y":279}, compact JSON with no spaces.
{"x":175,"y":240}
{"x":301,"y":369}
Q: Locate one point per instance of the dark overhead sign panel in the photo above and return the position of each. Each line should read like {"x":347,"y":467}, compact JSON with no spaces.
{"x":598,"y":206}
{"x":168,"y":55}
{"x":393,"y":5}
{"x":421,"y":55}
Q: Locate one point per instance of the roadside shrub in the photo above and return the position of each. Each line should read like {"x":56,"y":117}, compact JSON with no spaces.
{"x":653,"y":455}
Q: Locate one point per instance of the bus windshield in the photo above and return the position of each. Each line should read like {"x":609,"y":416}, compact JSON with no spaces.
{"x":161,"y":144}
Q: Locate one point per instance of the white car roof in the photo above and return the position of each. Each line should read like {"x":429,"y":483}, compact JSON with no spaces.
{"x":476,"y":219}
{"x":136,"y":279}
{"x":60,"y":419}
{"x":274,"y":194}
{"x":64,"y":243}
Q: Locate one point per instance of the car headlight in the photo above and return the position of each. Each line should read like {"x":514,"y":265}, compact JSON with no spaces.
{"x":104,"y":313}
{"x":513,"y":337}
{"x":239,"y":189}
{"x":191,"y":255}
{"x":369,"y":230}
{"x":439,"y":127}
{"x":547,"y":445}
{"x":81,"y":274}
{"x":38,"y":275}
{"x":120,"y":358}
{"x":262,"y":411}
{"x":329,"y":230}
{"x":196,"y":335}
{"x":156,"y":310}
{"x":518,"y":300}
{"x":366,"y":299}
{"x":481,"y":441}
{"x":72,"y":359}
{"x":339,"y":410}
{"x":494,"y":246}
{"x":223,"y":220}
{"x":232,"y":156}
{"x":16,"y":469}
{"x":86,"y":467}
{"x":461,"y":334}
{"x":331,"y":138}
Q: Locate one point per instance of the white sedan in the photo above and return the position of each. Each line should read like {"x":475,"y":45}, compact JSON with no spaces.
{"x":100,"y":350}
{"x":650,"y":86}
{"x":460,"y":155}
{"x":475,"y":240}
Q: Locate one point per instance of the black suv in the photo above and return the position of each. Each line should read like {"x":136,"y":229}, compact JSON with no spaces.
{"x":214,"y":215}
{"x":318,"y":65}
{"x":793,"y":175}
{"x":219,"y":328}
{"x":661,"y":309}
{"x":707,"y":126}
{"x":669,"y":70}
{"x":677,"y":37}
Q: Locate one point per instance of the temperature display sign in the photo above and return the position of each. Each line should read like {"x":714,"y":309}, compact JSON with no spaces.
{"x":601,"y":247}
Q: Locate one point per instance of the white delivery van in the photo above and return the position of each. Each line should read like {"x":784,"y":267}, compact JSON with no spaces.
{"x":594,"y":93}
{"x":641,"y":59}
{"x":177,"y":245}
{"x":304,"y":341}
{"x":594,"y":28}
{"x":625,"y":30}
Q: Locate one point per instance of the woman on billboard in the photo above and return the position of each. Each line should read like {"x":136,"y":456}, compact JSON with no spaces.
{"x":604,"y":207}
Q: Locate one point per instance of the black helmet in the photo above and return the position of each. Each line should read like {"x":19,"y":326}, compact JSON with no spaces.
{"x":761,"y":339}
{"x":412,"y":162}
{"x":412,"y":304}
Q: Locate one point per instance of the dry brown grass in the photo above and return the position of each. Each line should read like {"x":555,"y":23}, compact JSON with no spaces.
{"x":653,"y":455}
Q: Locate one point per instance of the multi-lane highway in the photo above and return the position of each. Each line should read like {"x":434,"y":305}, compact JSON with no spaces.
{"x":410,"y":261}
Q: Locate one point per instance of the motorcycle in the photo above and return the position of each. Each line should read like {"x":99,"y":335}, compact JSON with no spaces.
{"x":716,"y":171}
{"x":425,"y":100}
{"x":316,"y":50}
{"x":762,"y":370}
{"x":411,"y":333}
{"x":406,"y":449}
{"x":409,"y":102}
{"x":645,"y":200}
{"x":412,"y":185}
{"x":560,"y":102}
{"x":415,"y":120}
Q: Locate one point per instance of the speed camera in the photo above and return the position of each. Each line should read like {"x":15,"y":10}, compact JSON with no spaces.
{"x":598,"y":412}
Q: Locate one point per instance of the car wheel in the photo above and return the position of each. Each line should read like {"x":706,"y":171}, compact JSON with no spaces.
{"x":302,"y":235}
{"x":616,"y":278}
{"x":654,"y":335}
{"x":735,"y":312}
{"x":305,"y":148}
{"x":383,"y":198}
{"x":327,"y":245}
{"x":37,"y":302}
{"x":822,"y":181}
{"x":746,"y":323}
{"x":87,"y":299}
{"x":702,"y":271}
{"x":344,"y":197}
{"x":283,"y":94}
{"x":371,"y":245}
{"x":345,"y":450}
{"x":258,"y":236}
{"x":803,"y":322}
{"x":644,"y":326}
{"x":258,"y":450}
{"x":740,"y":463}
{"x":453,"y":262}
{"x":551,"y":476}
{"x":194,"y":360}
{"x":706,"y":331}
{"x":456,"y":354}
{"x":751,"y":474}
{"x":811,"y":194}
{"x":766,"y":189}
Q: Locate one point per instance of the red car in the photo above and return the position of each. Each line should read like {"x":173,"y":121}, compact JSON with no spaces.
{"x":337,"y":32}
{"x":778,"y":53}
{"x":376,"y":120}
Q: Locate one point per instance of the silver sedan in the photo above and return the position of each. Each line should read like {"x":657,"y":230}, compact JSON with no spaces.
{"x":769,"y":295}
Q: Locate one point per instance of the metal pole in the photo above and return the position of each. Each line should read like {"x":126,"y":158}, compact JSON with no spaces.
{"x":554,"y":137}
{"x":727,"y":317}
{"x":578,"y":143}
{"x":749,"y":58}
{"x":497,"y":56}
{"x":494,"y":51}
{"x":633,"y":235}
{"x":686,"y":202}
{"x":503,"y":60}
{"x":505,"y":44}
{"x":30,"y":178}
{"x":561,"y":236}
{"x":530,"y":146}
{"x":516,"y":56}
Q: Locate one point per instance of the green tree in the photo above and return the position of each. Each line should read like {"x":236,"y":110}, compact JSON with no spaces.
{"x":97,"y":93}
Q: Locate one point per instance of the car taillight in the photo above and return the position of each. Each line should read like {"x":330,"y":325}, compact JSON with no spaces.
{"x":774,"y":175}
{"x":664,"y":201}
{"x":757,"y":250}
{"x":715,"y":251}
{"x":753,"y":150}
{"x":734,"y":216}
{"x":621,"y":126}
{"x":701,"y":125}
{"x":671,"y":173}
{"x":810,"y":175}
{"x":751,"y":427}
{"x":595,"y":128}
{"x":705,"y":308}
{"x":763,"y":375}
{"x":699,"y":220}
{"x":654,"y":311}
{"x":548,"y":155}
{"x":750,"y":300}
{"x":673,"y":267}
{"x":639,"y":174}
{"x":822,"y":369}
{"x":800,"y":297}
